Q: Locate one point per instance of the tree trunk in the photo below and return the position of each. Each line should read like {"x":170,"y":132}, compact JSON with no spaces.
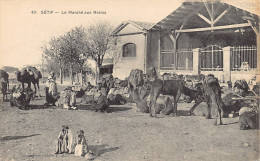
{"x":71,"y":74}
{"x":61,"y":75}
{"x":77,"y":77}
{"x":81,"y":77}
{"x":97,"y":73}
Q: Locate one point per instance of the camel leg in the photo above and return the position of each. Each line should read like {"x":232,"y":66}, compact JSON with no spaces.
{"x":207,"y":100}
{"x":38,"y":87}
{"x":176,"y":98}
{"x":208,"y":116}
{"x":153,"y":98}
{"x":220,"y":118}
{"x":154,"y":105}
{"x":151,"y":102}
{"x":220,"y":112}
{"x":35,"y":89}
{"x":193,"y":107}
{"x":39,"y":90}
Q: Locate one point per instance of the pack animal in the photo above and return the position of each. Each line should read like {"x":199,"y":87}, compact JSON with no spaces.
{"x":165,"y":87}
{"x":212,"y":96}
{"x":29,"y":78}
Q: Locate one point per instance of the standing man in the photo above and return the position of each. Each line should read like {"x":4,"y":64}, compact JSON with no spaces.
{"x":52,"y":94}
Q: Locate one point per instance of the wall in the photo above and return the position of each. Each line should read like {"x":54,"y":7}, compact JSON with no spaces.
{"x":124,"y":66}
{"x":247,"y":75}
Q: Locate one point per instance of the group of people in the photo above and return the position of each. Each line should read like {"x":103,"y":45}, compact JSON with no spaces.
{"x":101,"y":104}
{"x":65,"y":143}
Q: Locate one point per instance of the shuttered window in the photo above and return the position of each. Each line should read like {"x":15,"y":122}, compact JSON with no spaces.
{"x":129,"y":50}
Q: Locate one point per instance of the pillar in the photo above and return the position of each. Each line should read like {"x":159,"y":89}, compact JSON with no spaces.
{"x":258,"y":53}
{"x":227,"y":63}
{"x":196,"y":61}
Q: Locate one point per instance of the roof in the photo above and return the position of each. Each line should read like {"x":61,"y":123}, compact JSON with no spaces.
{"x":140,"y":25}
{"x":199,"y":14}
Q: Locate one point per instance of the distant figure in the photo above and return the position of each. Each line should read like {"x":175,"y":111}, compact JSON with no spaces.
{"x":104,"y":83}
{"x":3,"y":87}
{"x":229,"y":83}
{"x":64,"y":143}
{"x":89,"y":87}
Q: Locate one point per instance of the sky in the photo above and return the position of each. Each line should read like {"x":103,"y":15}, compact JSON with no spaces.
{"x":23,"y":31}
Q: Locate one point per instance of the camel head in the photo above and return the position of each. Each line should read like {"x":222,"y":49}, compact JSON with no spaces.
{"x":151,"y":72}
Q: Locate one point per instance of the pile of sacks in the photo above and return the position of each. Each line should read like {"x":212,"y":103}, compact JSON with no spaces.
{"x":67,"y":99}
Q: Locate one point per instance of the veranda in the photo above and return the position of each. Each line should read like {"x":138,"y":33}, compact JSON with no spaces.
{"x":209,"y":37}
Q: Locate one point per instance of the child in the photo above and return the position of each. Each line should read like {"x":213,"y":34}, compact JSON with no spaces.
{"x":64,"y":141}
{"x":81,"y":144}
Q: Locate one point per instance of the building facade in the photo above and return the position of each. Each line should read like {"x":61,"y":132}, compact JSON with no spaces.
{"x":198,"y":37}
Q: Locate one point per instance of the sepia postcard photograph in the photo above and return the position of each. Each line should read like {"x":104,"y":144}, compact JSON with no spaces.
{"x":129,"y":80}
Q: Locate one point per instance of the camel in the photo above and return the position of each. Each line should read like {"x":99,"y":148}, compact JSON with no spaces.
{"x":30,"y":75}
{"x":212,"y":96}
{"x":166,"y":87}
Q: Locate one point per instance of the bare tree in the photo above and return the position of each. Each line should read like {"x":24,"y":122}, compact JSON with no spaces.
{"x":100,"y":42}
{"x":116,"y":49}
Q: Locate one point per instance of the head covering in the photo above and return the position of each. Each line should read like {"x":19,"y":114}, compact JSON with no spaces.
{"x":65,"y":127}
{"x":81,"y":132}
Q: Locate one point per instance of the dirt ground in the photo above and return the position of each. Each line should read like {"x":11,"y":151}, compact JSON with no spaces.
{"x":122,"y":134}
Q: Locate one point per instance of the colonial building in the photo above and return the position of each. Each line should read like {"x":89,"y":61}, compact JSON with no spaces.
{"x":198,"y":37}
{"x":134,"y":47}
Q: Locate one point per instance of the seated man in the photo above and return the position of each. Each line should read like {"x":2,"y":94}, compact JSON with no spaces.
{"x":102,"y":103}
{"x":21,"y":98}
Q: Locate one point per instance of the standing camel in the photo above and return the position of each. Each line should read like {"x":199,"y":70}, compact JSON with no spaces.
{"x":29,"y":75}
{"x":212,"y":96}
{"x":165,"y":87}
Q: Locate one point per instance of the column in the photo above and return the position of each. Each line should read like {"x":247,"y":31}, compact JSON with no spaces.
{"x":227,"y":63}
{"x":196,"y":61}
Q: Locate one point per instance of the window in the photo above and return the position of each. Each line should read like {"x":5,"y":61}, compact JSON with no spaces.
{"x":129,"y":50}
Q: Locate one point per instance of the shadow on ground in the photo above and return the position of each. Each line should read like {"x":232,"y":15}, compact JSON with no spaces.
{"x":6,"y":138}
{"x":110,"y":109}
{"x":101,"y":149}
{"x":183,"y":113}
{"x":35,"y":107}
